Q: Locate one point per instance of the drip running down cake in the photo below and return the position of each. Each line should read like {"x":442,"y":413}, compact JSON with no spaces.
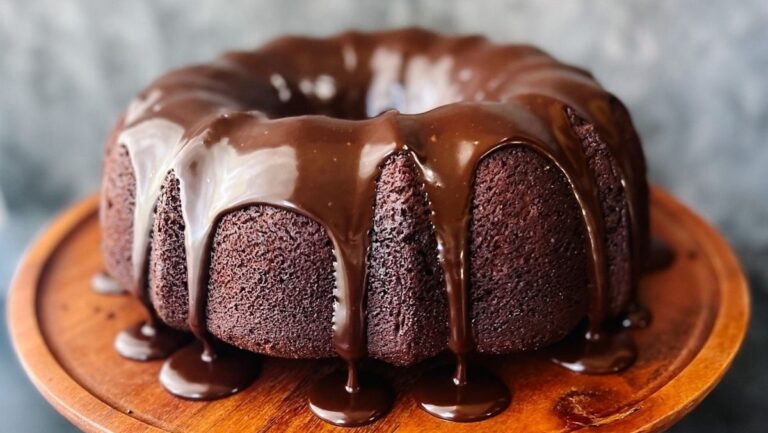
{"x":386,"y":195}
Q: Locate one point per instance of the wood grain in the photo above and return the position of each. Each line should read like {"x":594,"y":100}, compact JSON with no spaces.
{"x":63,"y":334}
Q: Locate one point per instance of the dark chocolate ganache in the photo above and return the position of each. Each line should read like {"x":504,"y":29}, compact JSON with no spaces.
{"x":305,"y":125}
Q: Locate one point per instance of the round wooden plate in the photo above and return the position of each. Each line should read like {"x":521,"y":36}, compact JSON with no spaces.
{"x":63,"y":334}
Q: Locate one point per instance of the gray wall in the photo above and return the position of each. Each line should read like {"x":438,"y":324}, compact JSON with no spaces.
{"x":694,"y":74}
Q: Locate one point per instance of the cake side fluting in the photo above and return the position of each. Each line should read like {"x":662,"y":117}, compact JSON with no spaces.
{"x":116,"y":205}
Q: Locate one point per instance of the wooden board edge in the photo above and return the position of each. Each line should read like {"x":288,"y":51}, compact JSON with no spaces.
{"x":68,"y":397}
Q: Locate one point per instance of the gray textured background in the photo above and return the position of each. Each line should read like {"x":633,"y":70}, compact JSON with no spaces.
{"x":693,"y":73}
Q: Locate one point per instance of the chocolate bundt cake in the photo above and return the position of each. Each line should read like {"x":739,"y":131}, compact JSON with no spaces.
{"x":389,"y":195}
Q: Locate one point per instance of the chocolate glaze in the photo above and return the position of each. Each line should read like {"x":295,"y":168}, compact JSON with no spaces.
{"x":349,"y":400}
{"x":103,"y":284}
{"x":189,"y":374}
{"x":609,"y":351}
{"x":636,"y":316}
{"x":660,"y":256}
{"x":587,"y":407}
{"x":145,"y":342}
{"x":475,"y":395}
{"x":253,"y":128}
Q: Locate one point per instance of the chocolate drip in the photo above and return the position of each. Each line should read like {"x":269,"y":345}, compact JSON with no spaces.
{"x":150,"y":145}
{"x":103,"y":284}
{"x":145,"y":341}
{"x":481,"y":395}
{"x":192,"y":123}
{"x":658,"y":258}
{"x":363,"y":400}
{"x":636,"y":316}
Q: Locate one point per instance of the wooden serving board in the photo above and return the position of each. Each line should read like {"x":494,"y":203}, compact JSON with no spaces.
{"x":63,"y":333}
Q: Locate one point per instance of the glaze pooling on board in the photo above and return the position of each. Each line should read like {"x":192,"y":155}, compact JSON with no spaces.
{"x":252,"y":128}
